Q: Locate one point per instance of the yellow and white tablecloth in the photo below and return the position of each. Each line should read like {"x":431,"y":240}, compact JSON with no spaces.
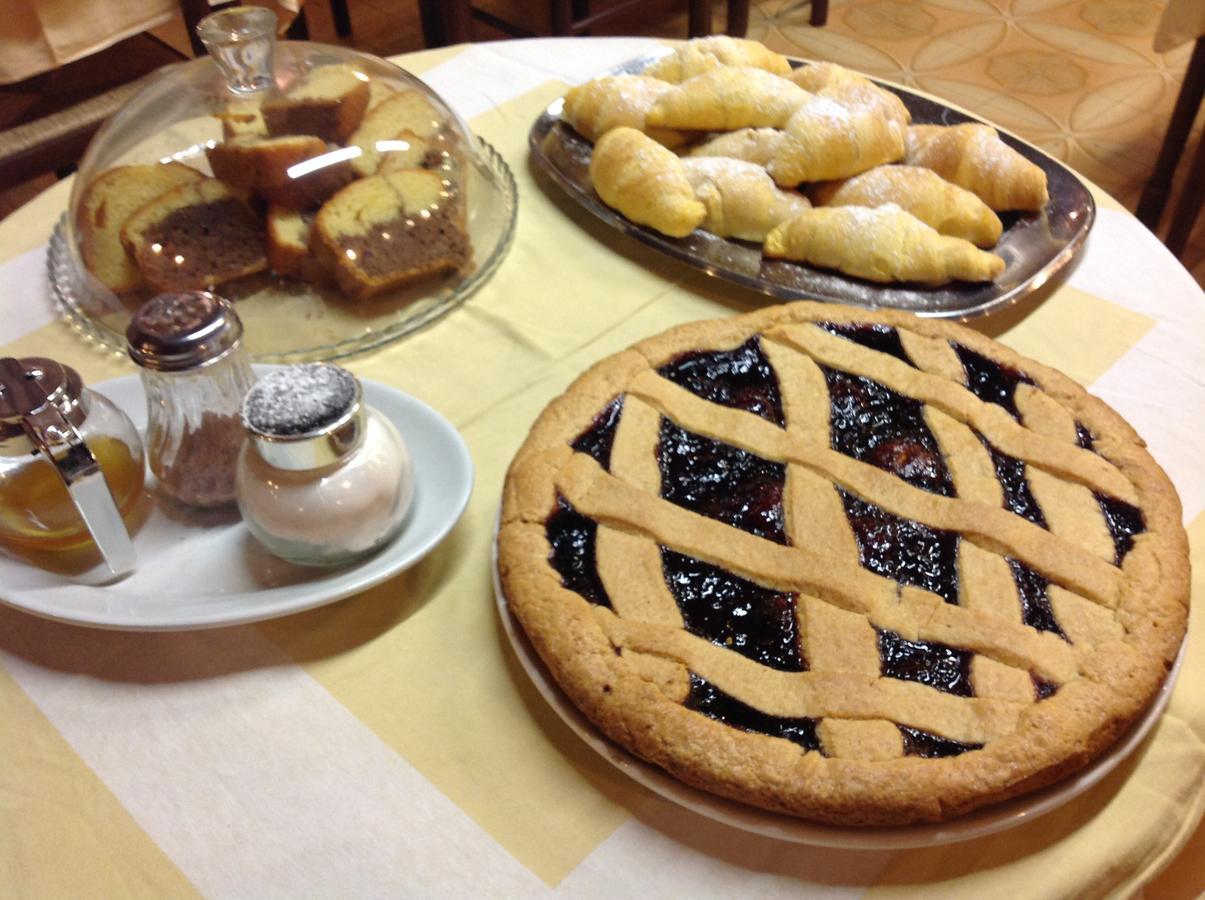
{"x":391,"y":744}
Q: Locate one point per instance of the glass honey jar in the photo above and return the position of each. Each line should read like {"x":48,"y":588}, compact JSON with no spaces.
{"x":71,"y":464}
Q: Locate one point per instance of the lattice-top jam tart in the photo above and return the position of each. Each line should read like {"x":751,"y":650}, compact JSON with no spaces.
{"x":859,"y":567}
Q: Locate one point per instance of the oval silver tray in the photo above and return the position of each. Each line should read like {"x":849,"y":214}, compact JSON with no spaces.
{"x":1034,"y":246}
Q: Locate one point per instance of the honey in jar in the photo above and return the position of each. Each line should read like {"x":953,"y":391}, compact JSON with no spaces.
{"x":71,"y":465}
{"x":37,"y":512}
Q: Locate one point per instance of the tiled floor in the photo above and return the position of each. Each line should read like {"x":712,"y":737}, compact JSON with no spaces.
{"x":1079,"y":78}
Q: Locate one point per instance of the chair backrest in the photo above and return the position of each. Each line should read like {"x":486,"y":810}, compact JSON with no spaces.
{"x":451,"y":21}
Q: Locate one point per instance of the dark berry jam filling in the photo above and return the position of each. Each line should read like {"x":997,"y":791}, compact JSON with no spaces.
{"x":1043,"y":689}
{"x":1036,"y":611}
{"x":709,"y":700}
{"x":572,"y":537}
{"x":597,"y":440}
{"x":936,"y":665}
{"x":882,"y":338}
{"x":903,"y":550}
{"x":1083,"y":436}
{"x":875,"y":425}
{"x":722,"y":482}
{"x":756,"y":622}
{"x":1124,"y":521}
{"x":742,"y":378}
{"x":990,"y":381}
{"x":1010,"y":472}
{"x":932,"y":746}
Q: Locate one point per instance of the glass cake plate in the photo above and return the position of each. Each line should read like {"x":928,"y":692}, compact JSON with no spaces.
{"x":978,"y":823}
{"x":206,"y":570}
{"x":178,"y":116}
{"x":1034,"y":247}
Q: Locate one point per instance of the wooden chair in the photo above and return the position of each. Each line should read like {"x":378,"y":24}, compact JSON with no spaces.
{"x":55,"y":143}
{"x":1158,"y":187}
{"x":451,"y":21}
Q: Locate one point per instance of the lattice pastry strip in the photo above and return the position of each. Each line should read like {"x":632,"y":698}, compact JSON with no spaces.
{"x":813,"y":694}
{"x":833,"y":640}
{"x":1068,"y":461}
{"x":1070,"y":509}
{"x":1060,"y":560}
{"x":629,"y":564}
{"x":916,"y":614}
{"x":984,"y":581}
{"x":900,"y":492}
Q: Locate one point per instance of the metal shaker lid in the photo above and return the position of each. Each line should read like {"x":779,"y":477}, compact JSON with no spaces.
{"x":305,"y":416}
{"x":185,"y":330}
{"x":32,"y":384}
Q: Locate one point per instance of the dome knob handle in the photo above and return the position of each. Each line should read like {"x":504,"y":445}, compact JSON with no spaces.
{"x":242,"y":40}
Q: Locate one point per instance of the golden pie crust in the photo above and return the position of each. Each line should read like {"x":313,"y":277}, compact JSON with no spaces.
{"x":629,"y":666}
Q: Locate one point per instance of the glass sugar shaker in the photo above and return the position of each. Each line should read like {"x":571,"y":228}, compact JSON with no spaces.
{"x":324,"y":479}
{"x":188,"y":347}
{"x":71,"y":464}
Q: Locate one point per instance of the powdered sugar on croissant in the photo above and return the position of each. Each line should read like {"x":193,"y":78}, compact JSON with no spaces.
{"x":882,"y":244}
{"x":755,"y":145}
{"x":728,"y":98}
{"x":936,"y":202}
{"x":647,"y":183}
{"x":742,"y":200}
{"x":973,"y":156}
{"x":704,"y":54}
{"x":597,"y":106}
{"x":835,"y":137}
{"x":816,"y":76}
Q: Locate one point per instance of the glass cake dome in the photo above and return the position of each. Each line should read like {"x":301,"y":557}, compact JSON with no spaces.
{"x":334,"y":198}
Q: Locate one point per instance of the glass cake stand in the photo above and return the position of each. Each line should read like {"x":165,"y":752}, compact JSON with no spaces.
{"x":182,"y":111}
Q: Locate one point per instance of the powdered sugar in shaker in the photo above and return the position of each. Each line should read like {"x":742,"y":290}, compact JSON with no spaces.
{"x":324,"y":479}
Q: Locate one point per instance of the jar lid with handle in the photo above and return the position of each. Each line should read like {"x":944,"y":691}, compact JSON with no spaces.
{"x":43,"y":412}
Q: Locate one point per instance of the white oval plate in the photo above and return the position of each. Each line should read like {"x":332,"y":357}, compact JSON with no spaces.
{"x":203,"y":574}
{"x":788,"y":828}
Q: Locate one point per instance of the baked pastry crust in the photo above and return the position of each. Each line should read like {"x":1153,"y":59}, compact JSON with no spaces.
{"x":1040,"y":696}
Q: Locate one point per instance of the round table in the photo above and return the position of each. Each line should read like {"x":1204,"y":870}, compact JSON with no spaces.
{"x":391,"y":744}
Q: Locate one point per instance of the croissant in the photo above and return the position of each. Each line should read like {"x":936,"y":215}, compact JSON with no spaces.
{"x":861,"y":93}
{"x":637,"y":176}
{"x":728,"y":98}
{"x":704,"y":54}
{"x":597,"y":106}
{"x":817,"y":76}
{"x":936,"y":202}
{"x":839,"y":133}
{"x":973,"y":156}
{"x":741,"y":199}
{"x":755,"y":145}
{"x":881,"y":244}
